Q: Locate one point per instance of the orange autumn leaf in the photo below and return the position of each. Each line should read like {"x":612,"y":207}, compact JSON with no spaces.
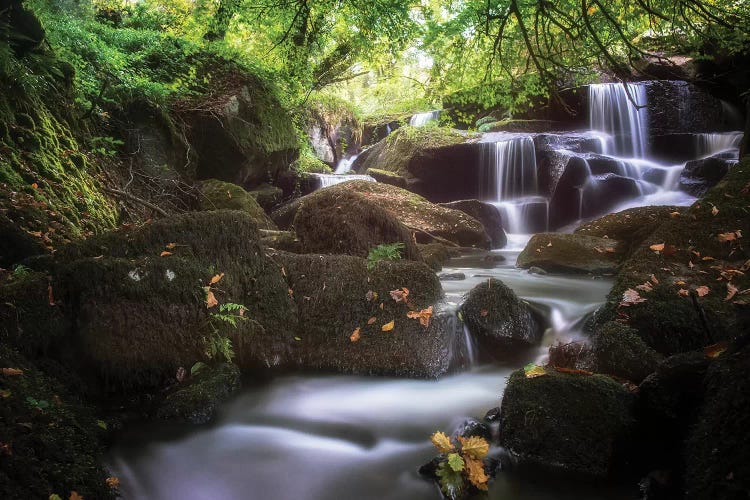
{"x":372,"y":320}
{"x":216,"y":279}
{"x":388,"y":326}
{"x":113,"y":481}
{"x":682,"y":292}
{"x":657,"y":247}
{"x":355,"y":335}
{"x":702,"y":291}
{"x":423,"y":316}
{"x":170,"y":246}
{"x":474,"y":447}
{"x":475,"y":472}
{"x":400,"y":296}
{"x":715,"y":350}
{"x":11,"y":372}
{"x":34,"y":185}
{"x":165,"y":254}
{"x":210,"y":298}
{"x":724,"y":237}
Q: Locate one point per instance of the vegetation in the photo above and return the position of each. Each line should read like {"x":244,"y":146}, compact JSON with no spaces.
{"x":386,"y":251}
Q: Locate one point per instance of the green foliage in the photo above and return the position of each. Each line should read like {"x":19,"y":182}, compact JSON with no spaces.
{"x":218,"y":345}
{"x":20,"y":271}
{"x":386,"y":251}
{"x":455,"y":462}
{"x":451,"y":481}
{"x":40,"y":404}
{"x":310,"y":164}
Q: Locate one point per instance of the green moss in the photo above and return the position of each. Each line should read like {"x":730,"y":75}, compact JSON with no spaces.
{"x":571,"y":253}
{"x":53,"y":441}
{"x":309,"y":164}
{"x":621,"y":352}
{"x":219,"y":195}
{"x":335,"y":112}
{"x":403,"y":144}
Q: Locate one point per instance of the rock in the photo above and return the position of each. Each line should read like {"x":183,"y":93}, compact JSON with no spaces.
{"x":499,"y":320}
{"x":331,"y":293}
{"x":630,"y":227}
{"x":523,"y":126}
{"x":283,"y":216}
{"x":282,"y":240}
{"x":699,"y":176}
{"x":377,"y":130}
{"x":387,"y":177}
{"x":452,"y":276}
{"x":333,"y":128}
{"x":577,"y":355}
{"x":473,"y":427}
{"x":603,"y":193}
{"x":197,"y":400}
{"x":717,"y":451}
{"x":436,"y":254}
{"x":220,"y":195}
{"x":16,"y":244}
{"x":619,"y":351}
{"x":670,"y":321}
{"x":485,"y":213}
{"x":670,"y":68}
{"x":537,"y":270}
{"x":492,"y":415}
{"x":267,"y":196}
{"x":247,"y":139}
{"x":575,"y":424}
{"x":570,"y":253}
{"x":54,"y":442}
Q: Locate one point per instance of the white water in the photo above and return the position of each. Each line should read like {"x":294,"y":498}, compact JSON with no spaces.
{"x":328,"y":180}
{"x":345,"y":165}
{"x":422,"y":119}
{"x":510,"y":168}
{"x":711,"y":144}
{"x":619,"y":111}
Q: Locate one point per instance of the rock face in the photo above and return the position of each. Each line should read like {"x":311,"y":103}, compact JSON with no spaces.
{"x":701,"y":175}
{"x":499,"y":320}
{"x":571,"y":423}
{"x":485,"y":213}
{"x":333,"y":128}
{"x":571,"y":253}
{"x":246,"y":138}
{"x":331,"y":293}
{"x":220,"y":195}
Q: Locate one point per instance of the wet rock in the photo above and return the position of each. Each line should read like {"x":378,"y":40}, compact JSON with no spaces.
{"x":452,"y":276}
{"x":473,"y":427}
{"x":573,"y":355}
{"x":387,"y":177}
{"x":267,"y":196}
{"x":492,"y":415}
{"x":499,"y":320}
{"x":16,"y":244}
{"x":537,"y":270}
{"x":333,"y":129}
{"x":220,"y":195}
{"x":436,"y":254}
{"x":619,"y":351}
{"x":575,"y":424}
{"x":603,"y":193}
{"x":485,"y":213}
{"x":196,"y":402}
{"x":335,"y":295}
{"x":570,"y":253}
{"x":701,"y":175}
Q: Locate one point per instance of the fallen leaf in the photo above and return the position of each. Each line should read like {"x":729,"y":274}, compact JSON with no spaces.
{"x":382,"y":306}
{"x":165,"y":254}
{"x":714,"y":211}
{"x":702,"y":291}
{"x":572,"y":371}
{"x":50,"y":295}
{"x":724,"y":237}
{"x":657,"y":247}
{"x":674,"y":215}
{"x":455,"y":462}
{"x":483,"y":312}
{"x":654,"y":280}
{"x":715,"y":350}
{"x":388,"y":326}
{"x":682,"y":292}
{"x":11,"y":372}
{"x":442,"y":442}
{"x":680,"y":283}
{"x":210,"y":298}
{"x":630,"y":297}
{"x":532,"y":371}
{"x":355,"y":336}
{"x":372,"y":320}
{"x":731,"y":291}
{"x":34,"y":185}
{"x":475,"y":447}
{"x":423,"y":316}
{"x":5,"y":393}
{"x":475,"y":472}
{"x":400,"y":296}
{"x":112,"y":482}
{"x":170,"y":246}
{"x":216,"y":279}
{"x":298,"y":339}
{"x":371,"y":296}
{"x":708,"y":258}
{"x":646,"y":287}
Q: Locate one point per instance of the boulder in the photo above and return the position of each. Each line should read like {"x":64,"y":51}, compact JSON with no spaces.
{"x":699,"y":176}
{"x":220,"y":195}
{"x":333,"y":128}
{"x":376,"y":130}
{"x":17,"y":244}
{"x":196,"y":401}
{"x":337,"y":296}
{"x":571,"y":253}
{"x":619,"y":351}
{"x":267,"y":196}
{"x":387,"y":177}
{"x":576,"y":424}
{"x":499,"y":320}
{"x":485,"y":213}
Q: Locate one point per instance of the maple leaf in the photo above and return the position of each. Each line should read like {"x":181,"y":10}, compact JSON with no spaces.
{"x":11,"y":372}
{"x":372,"y":320}
{"x":388,"y":326}
{"x":475,"y":473}
{"x":474,"y":447}
{"x":400,"y":296}
{"x":210,"y":298}
{"x":442,"y":442}
{"x":165,"y":254}
{"x":630,"y":297}
{"x":355,"y":335}
{"x":456,"y":462}
{"x":216,"y":279}
{"x":731,"y":291}
{"x":532,"y":371}
{"x":702,"y":291}
{"x":113,"y":481}
{"x":423,"y":316}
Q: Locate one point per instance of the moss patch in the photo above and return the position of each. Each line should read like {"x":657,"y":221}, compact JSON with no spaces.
{"x":621,"y":352}
{"x":220,"y":195}
{"x":571,"y":253}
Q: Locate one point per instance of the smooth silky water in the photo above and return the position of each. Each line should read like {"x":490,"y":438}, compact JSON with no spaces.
{"x":349,"y":437}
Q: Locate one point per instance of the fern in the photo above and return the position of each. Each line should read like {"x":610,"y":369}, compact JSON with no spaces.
{"x":387,"y":251}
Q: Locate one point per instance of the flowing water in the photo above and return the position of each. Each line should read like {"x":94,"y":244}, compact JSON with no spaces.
{"x":422,"y":119}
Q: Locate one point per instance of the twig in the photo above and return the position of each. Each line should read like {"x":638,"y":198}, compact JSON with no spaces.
{"x":131,"y":197}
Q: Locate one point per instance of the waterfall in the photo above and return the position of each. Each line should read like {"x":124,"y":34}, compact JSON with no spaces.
{"x":510,"y":168}
{"x":711,"y":144}
{"x":613,"y":112}
{"x":328,"y":180}
{"x":422,"y":119}
{"x":345,"y":165}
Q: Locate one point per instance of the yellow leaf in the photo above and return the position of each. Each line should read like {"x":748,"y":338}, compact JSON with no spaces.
{"x":532,"y":371}
{"x":388,"y":326}
{"x":165,"y":254}
{"x":372,"y":320}
{"x":171,"y":246}
{"x":10,"y":372}
{"x":674,"y":215}
{"x":474,"y":447}
{"x":355,"y":336}
{"x":442,"y":442}
{"x":658,"y":247}
{"x":216,"y":279}
{"x":475,"y":471}
{"x":210,"y":299}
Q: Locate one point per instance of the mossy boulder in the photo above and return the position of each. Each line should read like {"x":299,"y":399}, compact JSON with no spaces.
{"x":267,"y":196}
{"x":336,"y":295}
{"x":429,"y":222}
{"x":387,"y":177}
{"x":485,"y":213}
{"x":52,"y":443}
{"x":571,"y":253}
{"x":576,"y":424}
{"x":196,"y":401}
{"x":702,"y":247}
{"x":499,"y":320}
{"x":619,"y":351}
{"x":220,"y":195}
{"x":17,"y":244}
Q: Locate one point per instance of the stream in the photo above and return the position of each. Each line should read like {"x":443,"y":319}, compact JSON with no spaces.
{"x":341,"y":437}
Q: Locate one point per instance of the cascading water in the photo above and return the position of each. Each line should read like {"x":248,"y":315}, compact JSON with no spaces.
{"x":619,"y":111}
{"x":711,"y":144}
{"x":345,"y":165}
{"x":422,"y":119}
{"x":328,"y":180}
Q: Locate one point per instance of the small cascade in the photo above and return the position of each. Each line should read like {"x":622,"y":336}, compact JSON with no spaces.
{"x":711,"y":144}
{"x":529,"y":214}
{"x":422,"y":119}
{"x":345,"y":165}
{"x":510,"y":168}
{"x":328,"y":180}
{"x":615,"y":109}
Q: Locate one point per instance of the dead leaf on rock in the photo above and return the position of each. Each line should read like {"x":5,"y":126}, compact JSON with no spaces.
{"x":355,"y":335}
{"x":731,"y":291}
{"x":388,"y":326}
{"x":216,"y":279}
{"x":630,"y":297}
{"x":400,"y":296}
{"x":714,"y":210}
{"x":423,"y":316}
{"x":372,"y":320}
{"x":646,"y":287}
{"x":730,"y":236}
{"x":442,"y":442}
{"x":682,"y":292}
{"x":11,"y":372}
{"x":165,"y":254}
{"x":715,"y":350}
{"x":210,"y":298}
{"x":112,"y":482}
{"x":702,"y":291}
{"x":657,"y":247}
{"x":532,"y":370}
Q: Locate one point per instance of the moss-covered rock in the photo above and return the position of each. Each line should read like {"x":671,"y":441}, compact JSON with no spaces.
{"x":567,"y":423}
{"x":282,"y":240}
{"x":619,"y":351}
{"x":337,"y":295}
{"x":387,"y":177}
{"x":196,"y":401}
{"x":267,"y":196}
{"x":499,"y":320}
{"x":702,"y":247}
{"x":220,"y":195}
{"x":51,"y":442}
{"x":571,"y":253}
